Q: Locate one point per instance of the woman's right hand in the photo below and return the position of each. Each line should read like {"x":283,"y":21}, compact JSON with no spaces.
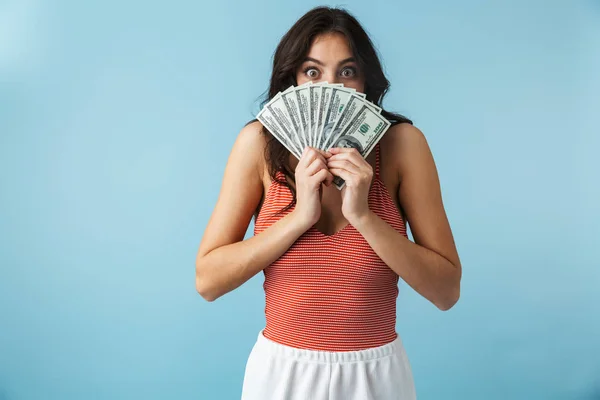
{"x":310,"y":173}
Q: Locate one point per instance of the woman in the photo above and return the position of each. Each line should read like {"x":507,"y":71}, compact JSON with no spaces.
{"x":331,"y":259}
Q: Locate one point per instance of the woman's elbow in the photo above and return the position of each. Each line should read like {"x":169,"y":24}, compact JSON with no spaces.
{"x":201,"y":285}
{"x":450,"y":299}
{"x":448,"y":303}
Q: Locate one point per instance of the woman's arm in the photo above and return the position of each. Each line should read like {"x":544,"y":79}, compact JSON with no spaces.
{"x":225,"y":261}
{"x":431,"y":265}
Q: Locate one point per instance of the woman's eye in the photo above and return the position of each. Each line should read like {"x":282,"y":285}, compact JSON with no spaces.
{"x":311,"y":72}
{"x":348,"y":72}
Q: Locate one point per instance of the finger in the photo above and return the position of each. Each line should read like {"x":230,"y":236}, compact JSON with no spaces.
{"x":321,"y":154}
{"x":337,"y":150}
{"x":316,"y":165}
{"x":321,"y":176}
{"x":345,"y":175}
{"x":347,"y":165}
{"x":353,"y":156}
{"x":325,"y":154}
{"x":308,"y":155}
{"x":330,"y":179}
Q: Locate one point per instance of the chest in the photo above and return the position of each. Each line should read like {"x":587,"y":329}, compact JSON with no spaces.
{"x":344,"y":258}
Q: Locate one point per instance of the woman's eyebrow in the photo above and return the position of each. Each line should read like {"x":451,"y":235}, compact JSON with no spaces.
{"x":320,"y":63}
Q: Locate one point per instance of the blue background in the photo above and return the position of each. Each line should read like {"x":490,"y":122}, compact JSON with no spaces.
{"x":116,"y":121}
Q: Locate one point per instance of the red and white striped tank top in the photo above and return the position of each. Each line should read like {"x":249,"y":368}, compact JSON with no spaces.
{"x":330,"y":292}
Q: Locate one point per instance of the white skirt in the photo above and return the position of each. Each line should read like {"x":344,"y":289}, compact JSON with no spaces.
{"x":278,"y":372}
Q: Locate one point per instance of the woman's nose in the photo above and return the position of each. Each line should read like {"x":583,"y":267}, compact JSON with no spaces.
{"x":330,"y":77}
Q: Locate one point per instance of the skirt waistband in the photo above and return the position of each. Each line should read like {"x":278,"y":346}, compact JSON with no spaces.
{"x":278,"y":349}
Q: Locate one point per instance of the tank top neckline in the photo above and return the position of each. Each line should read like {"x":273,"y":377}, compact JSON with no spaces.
{"x":377,"y":183}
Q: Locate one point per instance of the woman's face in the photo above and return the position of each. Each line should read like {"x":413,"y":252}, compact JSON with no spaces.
{"x":330,"y":60}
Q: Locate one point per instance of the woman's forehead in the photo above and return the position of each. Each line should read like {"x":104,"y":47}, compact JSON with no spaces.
{"x":330,"y":46}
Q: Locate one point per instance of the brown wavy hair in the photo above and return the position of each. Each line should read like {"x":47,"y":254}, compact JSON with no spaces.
{"x":289,"y":55}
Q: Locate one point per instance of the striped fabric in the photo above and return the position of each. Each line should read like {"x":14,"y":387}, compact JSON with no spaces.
{"x":330,"y":292}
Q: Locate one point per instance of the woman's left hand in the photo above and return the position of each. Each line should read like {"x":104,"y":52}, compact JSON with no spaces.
{"x":349,"y":164}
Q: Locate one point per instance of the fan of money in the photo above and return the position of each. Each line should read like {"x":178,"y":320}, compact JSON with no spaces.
{"x":324,"y":115}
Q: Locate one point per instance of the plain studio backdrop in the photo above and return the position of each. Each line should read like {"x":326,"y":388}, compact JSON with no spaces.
{"x":116,"y":121}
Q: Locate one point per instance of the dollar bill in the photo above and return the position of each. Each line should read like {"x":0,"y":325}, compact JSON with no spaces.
{"x":293,"y":111}
{"x":363,"y":132}
{"x":278,"y":111}
{"x":337,"y":102}
{"x":265,"y":116}
{"x":315,"y":100}
{"x":322,"y":110}
{"x":353,"y":105}
{"x":303,"y":103}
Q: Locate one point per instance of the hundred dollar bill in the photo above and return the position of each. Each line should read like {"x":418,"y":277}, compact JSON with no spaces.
{"x":303,"y":103}
{"x":353,"y":105}
{"x":265,"y":116}
{"x":293,"y":111}
{"x":278,"y":110}
{"x":362,"y":133}
{"x":315,"y":99}
{"x":322,"y":110}
{"x":338,"y":100}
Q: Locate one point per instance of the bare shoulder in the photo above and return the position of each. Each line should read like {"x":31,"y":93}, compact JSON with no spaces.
{"x":419,"y":190}
{"x":392,"y":145}
{"x":253,"y":142}
{"x":398,"y":142}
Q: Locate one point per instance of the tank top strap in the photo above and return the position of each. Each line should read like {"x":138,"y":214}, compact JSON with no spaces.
{"x":377,"y":160}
